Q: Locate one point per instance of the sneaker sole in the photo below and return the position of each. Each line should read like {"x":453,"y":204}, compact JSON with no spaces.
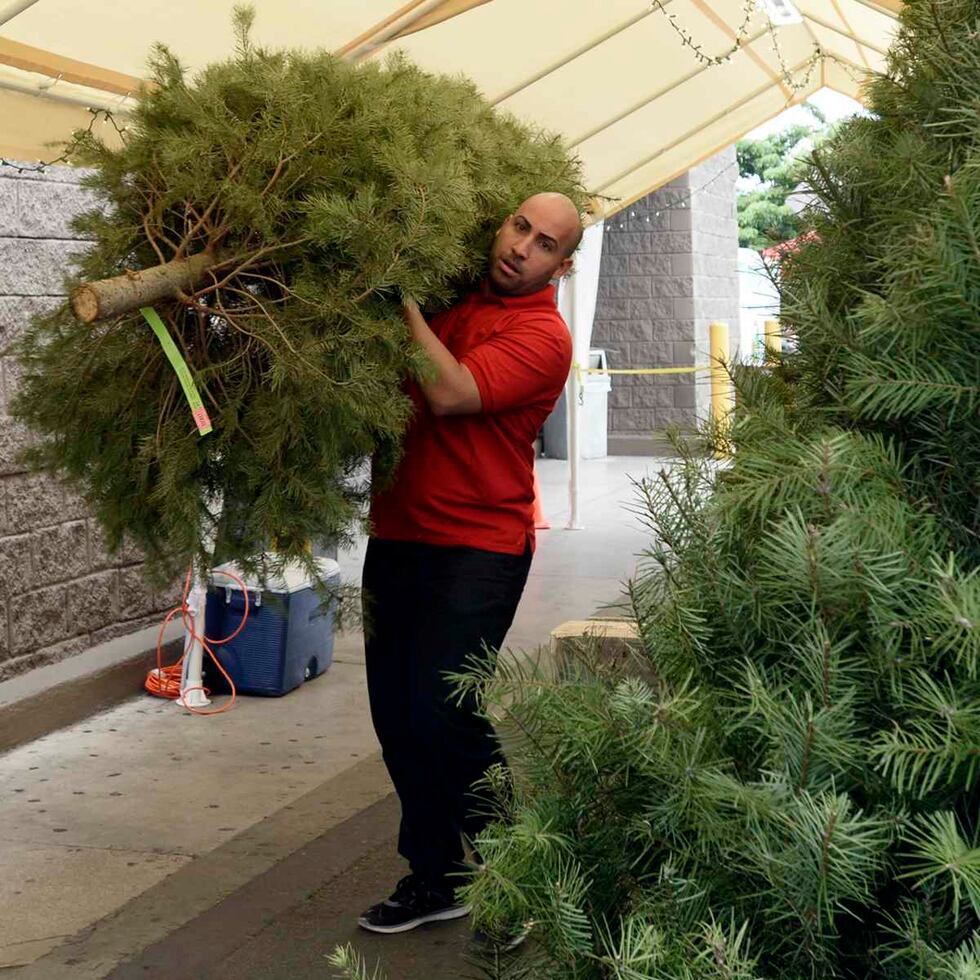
{"x":444,"y":916}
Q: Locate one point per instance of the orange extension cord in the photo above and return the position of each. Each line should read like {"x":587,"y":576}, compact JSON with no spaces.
{"x":164,"y":682}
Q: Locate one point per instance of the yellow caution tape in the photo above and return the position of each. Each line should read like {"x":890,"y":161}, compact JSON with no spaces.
{"x":669,"y":370}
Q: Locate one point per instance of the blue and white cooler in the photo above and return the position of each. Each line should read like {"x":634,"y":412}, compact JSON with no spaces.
{"x":288,"y":638}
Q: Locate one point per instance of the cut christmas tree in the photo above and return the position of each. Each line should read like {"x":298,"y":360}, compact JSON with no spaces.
{"x":797,"y":794}
{"x":272,"y":211}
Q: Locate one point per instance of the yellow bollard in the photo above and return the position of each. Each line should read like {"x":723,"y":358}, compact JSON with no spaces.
{"x":774,"y":341}
{"x":722,"y":398}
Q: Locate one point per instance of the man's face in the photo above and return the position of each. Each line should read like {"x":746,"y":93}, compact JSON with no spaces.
{"x":529,"y":250}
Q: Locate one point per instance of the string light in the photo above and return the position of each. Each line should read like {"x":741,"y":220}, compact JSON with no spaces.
{"x":749,"y":10}
{"x":41,"y":166}
{"x":679,"y":203}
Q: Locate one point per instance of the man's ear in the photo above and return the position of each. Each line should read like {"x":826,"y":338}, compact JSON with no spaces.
{"x":566,"y":267}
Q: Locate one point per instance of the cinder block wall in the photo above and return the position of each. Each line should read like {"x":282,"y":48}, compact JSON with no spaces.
{"x":667,"y":272}
{"x":60,"y":593}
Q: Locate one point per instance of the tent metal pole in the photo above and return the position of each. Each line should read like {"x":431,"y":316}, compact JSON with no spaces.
{"x":573,"y":392}
{"x":11,"y":10}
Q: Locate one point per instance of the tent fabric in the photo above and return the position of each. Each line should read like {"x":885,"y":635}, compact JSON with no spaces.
{"x":635,"y":86}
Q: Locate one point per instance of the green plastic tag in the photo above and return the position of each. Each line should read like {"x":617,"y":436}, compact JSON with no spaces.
{"x":200,"y":413}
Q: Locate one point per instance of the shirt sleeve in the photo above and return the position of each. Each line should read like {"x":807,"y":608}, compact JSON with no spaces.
{"x":522,"y":363}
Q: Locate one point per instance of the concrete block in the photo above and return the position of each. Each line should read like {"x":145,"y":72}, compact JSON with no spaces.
{"x":681,"y":219}
{"x":716,"y":287}
{"x":124,"y":628}
{"x":136,"y":596}
{"x":651,"y":354}
{"x":654,"y":396}
{"x":673,"y":329}
{"x":36,"y":267}
{"x":129,"y":552}
{"x":11,"y":370}
{"x":16,"y":312}
{"x":9,"y":218}
{"x":712,"y":308}
{"x":14,"y":439}
{"x":612,"y":308}
{"x":705,"y":264}
{"x":43,"y":657}
{"x":60,"y":553}
{"x":15,"y":565}
{"x":624,"y":286}
{"x":47,"y":209}
{"x":620,"y":396}
{"x":74,"y":507}
{"x":98,"y":551}
{"x":649,"y":265}
{"x":612,"y":264}
{"x":636,"y":420}
{"x":649,"y":220}
{"x":5,"y":651}
{"x":683,"y":308}
{"x":681,"y":265}
{"x":621,"y":331}
{"x":650,"y":309}
{"x":670,"y":242}
{"x":685,"y":396}
{"x":631,"y":242}
{"x":34,"y":500}
{"x":38,"y":618}
{"x":171,"y":595}
{"x":92,"y":602}
{"x":675,"y":416}
{"x":673,"y":286}
{"x":682,"y":351}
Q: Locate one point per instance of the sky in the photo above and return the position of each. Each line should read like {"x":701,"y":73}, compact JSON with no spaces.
{"x":834,"y":105}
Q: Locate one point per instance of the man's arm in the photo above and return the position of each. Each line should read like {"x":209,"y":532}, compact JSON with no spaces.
{"x":452,"y":390}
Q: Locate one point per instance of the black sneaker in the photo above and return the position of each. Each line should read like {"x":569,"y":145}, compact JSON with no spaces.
{"x":413,"y":903}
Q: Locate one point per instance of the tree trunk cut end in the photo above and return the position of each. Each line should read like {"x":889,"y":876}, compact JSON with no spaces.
{"x":84,"y":302}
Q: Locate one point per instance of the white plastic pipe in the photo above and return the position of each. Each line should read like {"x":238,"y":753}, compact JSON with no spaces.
{"x":192,"y":671}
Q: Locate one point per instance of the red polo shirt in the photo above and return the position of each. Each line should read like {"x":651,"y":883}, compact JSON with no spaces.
{"x":467,"y":480}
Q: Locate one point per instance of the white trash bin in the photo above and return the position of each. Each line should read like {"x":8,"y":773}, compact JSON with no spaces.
{"x":593,"y":438}
{"x":593,"y":417}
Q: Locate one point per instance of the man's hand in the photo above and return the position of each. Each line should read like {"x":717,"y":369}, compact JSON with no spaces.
{"x":452,"y":391}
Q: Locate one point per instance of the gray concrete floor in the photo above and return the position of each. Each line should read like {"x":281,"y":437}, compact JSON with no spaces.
{"x":137,"y":825}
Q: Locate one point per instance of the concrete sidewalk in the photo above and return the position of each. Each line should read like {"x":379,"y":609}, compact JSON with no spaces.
{"x":149,"y":842}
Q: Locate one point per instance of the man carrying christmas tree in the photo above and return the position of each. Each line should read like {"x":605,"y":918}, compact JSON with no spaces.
{"x":452,"y":542}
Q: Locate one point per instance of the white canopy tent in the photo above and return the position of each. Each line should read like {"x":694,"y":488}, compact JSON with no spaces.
{"x":632,"y":85}
{"x":642,"y":90}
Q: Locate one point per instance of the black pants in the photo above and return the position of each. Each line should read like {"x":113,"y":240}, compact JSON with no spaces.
{"x":428,"y":608}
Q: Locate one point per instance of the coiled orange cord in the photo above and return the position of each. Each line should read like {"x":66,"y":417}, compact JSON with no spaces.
{"x":164,"y":682}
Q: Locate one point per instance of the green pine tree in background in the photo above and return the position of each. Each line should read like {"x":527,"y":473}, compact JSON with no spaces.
{"x":776,"y":163}
{"x":785,"y":782}
{"x":311,"y":193}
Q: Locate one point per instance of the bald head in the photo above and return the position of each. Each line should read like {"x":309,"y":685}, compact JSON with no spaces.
{"x":561,"y":209}
{"x":534,"y":245}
